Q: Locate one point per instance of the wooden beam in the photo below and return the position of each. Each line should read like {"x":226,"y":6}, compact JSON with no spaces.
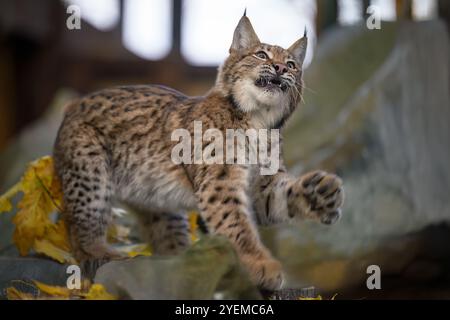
{"x":444,"y":11}
{"x":327,"y":14}
{"x":404,"y":9}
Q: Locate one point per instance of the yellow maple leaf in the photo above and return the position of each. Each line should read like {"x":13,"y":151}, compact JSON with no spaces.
{"x":56,"y":233}
{"x":32,"y":220}
{"x":54,"y":291}
{"x":319,"y":297}
{"x":44,"y":246}
{"x":134,"y":250}
{"x":89,"y":292}
{"x":55,"y":243}
{"x":193,"y":225}
{"x":13,"y":293}
{"x":5,"y":205}
{"x":118,"y":233}
{"x":41,"y":196}
{"x":98,"y":292}
{"x":5,"y":200}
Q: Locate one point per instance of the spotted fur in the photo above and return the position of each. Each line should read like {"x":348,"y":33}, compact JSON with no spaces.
{"x":116,"y":144}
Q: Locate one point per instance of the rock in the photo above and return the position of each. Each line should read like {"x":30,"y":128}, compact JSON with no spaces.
{"x":377,"y":110}
{"x":210,"y":269}
{"x":423,"y":271}
{"x":19,"y":272}
{"x":379,"y":116}
{"x":7,"y":248}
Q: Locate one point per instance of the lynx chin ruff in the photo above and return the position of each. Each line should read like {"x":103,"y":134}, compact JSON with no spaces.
{"x":115,"y":144}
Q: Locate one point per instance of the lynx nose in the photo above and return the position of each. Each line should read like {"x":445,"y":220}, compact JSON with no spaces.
{"x":280,"y":68}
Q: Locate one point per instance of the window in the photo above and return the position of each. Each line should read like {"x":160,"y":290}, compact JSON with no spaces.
{"x":387,"y":9}
{"x":207,"y":26}
{"x":147,"y":29}
{"x":425,"y":9}
{"x":349,"y":11}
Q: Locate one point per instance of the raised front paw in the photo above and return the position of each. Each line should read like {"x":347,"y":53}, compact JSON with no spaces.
{"x":317,"y":195}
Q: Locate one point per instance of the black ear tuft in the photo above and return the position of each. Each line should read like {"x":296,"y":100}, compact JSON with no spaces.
{"x":298,"y":49}
{"x":244,"y":36}
{"x":245,"y":12}
{"x":306,"y":33}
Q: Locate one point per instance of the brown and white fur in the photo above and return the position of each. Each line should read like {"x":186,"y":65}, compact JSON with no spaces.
{"x":116,"y":144}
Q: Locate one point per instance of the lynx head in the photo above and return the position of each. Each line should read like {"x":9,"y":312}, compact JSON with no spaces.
{"x":260,"y":78}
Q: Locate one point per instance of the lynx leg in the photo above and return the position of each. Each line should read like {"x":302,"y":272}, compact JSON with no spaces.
{"x":167,"y":233}
{"x":82,"y":166}
{"x":224,"y":207}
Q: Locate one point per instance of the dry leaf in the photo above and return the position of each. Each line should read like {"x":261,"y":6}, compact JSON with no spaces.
{"x":193,"y":224}
{"x":5,"y":200}
{"x":42,"y":196}
{"x":319,"y":297}
{"x":5,"y":205}
{"x":91,"y":292}
{"x":53,"y":291}
{"x":47,"y":248}
{"x":135,"y":250}
{"x":57,"y":235}
{"x":118,"y":233}
{"x":13,"y":293}
{"x":98,"y":292}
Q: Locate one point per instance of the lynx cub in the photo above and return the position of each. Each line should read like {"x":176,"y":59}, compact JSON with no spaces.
{"x":116,"y":144}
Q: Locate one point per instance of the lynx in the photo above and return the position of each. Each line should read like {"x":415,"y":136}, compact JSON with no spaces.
{"x":116,"y":144}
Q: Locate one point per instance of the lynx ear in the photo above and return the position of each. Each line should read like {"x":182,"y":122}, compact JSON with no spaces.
{"x":244,"y":36}
{"x":298,"y":49}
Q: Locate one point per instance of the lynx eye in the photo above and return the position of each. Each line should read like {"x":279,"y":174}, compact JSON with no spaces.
{"x":291,"y":65}
{"x":262,"y":55}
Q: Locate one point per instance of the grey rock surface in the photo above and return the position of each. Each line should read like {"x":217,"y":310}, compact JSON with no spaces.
{"x":207,"y":270}
{"x":19,"y":272}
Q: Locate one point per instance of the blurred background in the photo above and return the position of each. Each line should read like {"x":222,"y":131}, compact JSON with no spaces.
{"x":376,"y":111}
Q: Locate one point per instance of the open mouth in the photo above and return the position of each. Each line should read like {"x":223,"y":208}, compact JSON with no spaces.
{"x":271,"y":83}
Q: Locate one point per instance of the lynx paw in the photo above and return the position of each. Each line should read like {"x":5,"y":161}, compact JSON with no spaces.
{"x":266,"y":273}
{"x":318,"y":195}
{"x":98,"y":250}
{"x":94,"y":256}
